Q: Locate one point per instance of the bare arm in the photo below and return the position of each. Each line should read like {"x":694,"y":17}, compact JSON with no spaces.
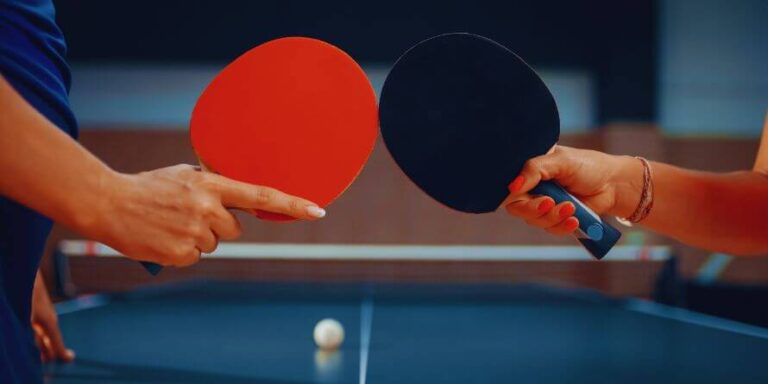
{"x":43,"y":168}
{"x":720,"y":212}
{"x":761,"y":162}
{"x":725,"y":212}
{"x":168,"y":216}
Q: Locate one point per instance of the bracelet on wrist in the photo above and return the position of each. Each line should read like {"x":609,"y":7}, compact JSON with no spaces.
{"x":646,"y":196}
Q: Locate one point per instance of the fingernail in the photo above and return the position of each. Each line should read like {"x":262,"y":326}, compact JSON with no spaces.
{"x":70,"y":354}
{"x":546,"y":205}
{"x":572,"y":223}
{"x":315,"y":211}
{"x":567,"y":211}
{"x":516,"y":184}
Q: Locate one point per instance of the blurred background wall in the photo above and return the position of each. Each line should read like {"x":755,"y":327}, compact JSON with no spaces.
{"x":681,"y":81}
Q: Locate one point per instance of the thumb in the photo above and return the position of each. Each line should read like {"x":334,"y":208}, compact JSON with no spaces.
{"x":545,"y":167}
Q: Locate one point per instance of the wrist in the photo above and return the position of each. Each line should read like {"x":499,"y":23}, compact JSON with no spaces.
{"x":627,"y":184}
{"x":91,"y":212}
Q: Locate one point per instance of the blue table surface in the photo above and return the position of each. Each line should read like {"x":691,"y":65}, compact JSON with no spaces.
{"x":223,"y":332}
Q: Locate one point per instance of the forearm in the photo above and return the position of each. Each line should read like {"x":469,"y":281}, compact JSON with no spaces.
{"x":42,"y":167}
{"x":722,"y":212}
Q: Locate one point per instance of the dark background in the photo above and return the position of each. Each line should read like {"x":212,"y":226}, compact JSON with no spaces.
{"x":616,"y":40}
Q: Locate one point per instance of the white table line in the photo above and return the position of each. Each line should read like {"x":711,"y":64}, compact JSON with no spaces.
{"x":282,"y":251}
{"x":366,"y":322}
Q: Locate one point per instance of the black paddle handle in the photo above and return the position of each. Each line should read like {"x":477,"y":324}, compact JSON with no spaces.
{"x":597,"y":236}
{"x":152,"y":268}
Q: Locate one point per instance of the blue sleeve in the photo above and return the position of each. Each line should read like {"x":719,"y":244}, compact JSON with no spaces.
{"x":32,"y":60}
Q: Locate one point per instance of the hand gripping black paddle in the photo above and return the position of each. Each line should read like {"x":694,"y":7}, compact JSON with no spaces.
{"x":461,"y":114}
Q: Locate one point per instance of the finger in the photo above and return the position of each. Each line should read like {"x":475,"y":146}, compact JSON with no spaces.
{"x":45,"y":353}
{"x":189,"y":256}
{"x":530,"y":209}
{"x":554,"y":216}
{"x":47,"y":347}
{"x":225,"y":225}
{"x":235,"y":194}
{"x":566,"y":227}
{"x":206,"y":241}
{"x":545,"y":167}
{"x":58,"y":350}
{"x":178,"y":254}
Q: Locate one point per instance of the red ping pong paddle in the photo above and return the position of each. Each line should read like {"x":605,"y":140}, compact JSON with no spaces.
{"x":296,"y":114}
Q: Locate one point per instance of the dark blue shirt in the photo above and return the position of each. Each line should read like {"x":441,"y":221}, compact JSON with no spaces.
{"x":32,"y":51}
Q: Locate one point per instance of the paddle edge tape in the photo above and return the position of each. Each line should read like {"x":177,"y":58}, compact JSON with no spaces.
{"x":369,"y":150}
{"x":503,"y":189}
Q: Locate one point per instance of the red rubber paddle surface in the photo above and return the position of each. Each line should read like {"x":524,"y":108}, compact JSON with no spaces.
{"x":296,"y":114}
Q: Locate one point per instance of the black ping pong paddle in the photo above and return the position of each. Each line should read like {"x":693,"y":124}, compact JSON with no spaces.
{"x":461,"y":114}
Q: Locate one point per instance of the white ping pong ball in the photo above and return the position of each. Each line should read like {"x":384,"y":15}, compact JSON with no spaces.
{"x":328,"y":334}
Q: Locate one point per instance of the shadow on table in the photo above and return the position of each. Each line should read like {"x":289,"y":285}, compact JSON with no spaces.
{"x":91,"y":371}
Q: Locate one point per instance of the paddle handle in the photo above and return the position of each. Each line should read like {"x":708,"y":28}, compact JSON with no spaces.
{"x":152,"y":268}
{"x":597,"y":236}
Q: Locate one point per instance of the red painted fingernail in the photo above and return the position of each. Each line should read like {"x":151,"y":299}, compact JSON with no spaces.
{"x":516,"y":184}
{"x":572,"y":223}
{"x":567,"y":211}
{"x":546,"y":205}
